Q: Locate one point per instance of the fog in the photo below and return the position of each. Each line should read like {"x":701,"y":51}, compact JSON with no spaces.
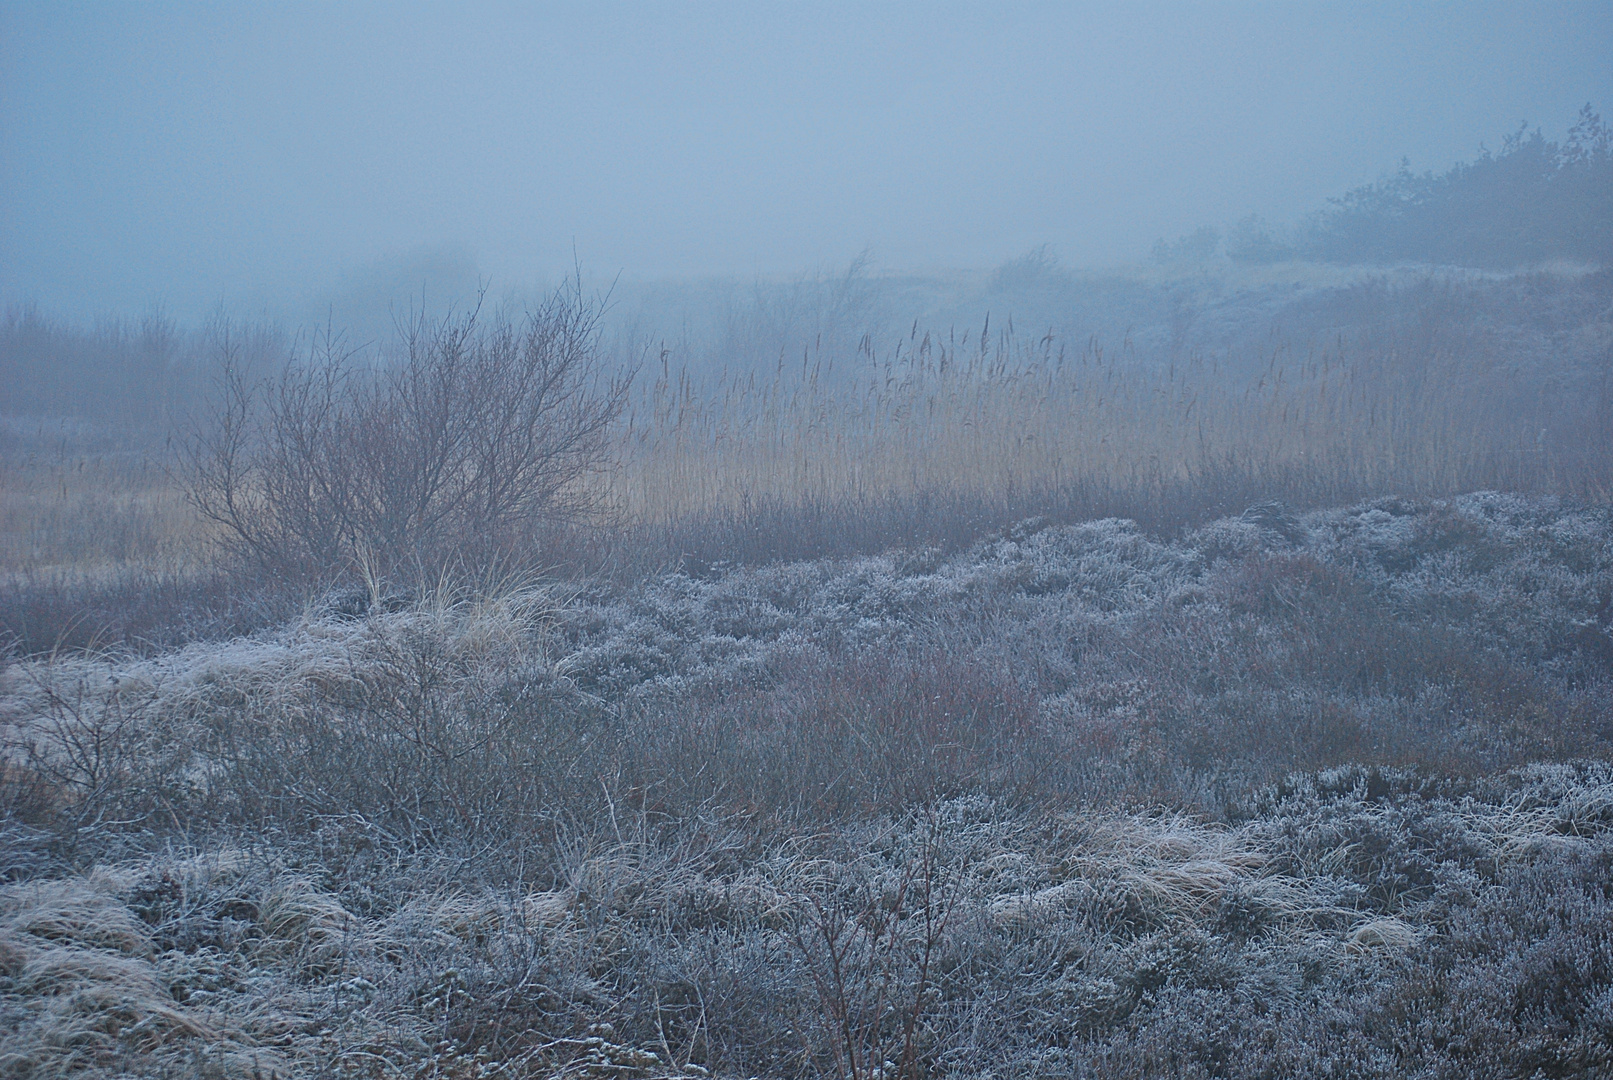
{"x":1060,"y":540}
{"x":271,"y":159}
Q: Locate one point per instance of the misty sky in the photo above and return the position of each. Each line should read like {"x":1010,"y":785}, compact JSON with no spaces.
{"x":254,"y":154}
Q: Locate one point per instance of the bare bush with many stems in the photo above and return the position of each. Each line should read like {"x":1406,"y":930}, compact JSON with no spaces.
{"x":446,"y":458}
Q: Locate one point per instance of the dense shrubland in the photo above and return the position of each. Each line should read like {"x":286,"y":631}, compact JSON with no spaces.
{"x":1532,"y":201}
{"x":1278,"y":796}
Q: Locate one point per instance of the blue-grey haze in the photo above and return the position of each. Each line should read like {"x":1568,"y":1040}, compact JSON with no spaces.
{"x":273,"y":157}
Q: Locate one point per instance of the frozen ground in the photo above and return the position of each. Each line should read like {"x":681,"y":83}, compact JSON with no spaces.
{"x":1324,"y":794}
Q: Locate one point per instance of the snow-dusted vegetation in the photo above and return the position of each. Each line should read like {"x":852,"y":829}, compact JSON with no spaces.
{"x":1317,"y":793}
{"x":980,"y":707}
{"x":481,"y":598}
{"x":976,"y":704}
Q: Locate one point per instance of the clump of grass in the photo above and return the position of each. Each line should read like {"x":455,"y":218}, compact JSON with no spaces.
{"x":87,"y":992}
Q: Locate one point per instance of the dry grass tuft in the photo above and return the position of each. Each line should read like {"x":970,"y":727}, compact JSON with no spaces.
{"x":76,"y":912}
{"x":93,"y":995}
{"x":1380,"y":935}
{"x":301,"y":922}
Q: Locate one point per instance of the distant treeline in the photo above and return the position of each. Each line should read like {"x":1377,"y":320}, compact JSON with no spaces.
{"x":1532,"y":202}
{"x":144,"y":372}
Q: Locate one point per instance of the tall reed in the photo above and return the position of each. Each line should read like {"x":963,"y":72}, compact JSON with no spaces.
{"x":1013,"y":422}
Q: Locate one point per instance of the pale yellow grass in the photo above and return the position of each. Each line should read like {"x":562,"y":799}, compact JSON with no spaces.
{"x":1012,"y":424}
{"x":90,"y":512}
{"x":1024,"y":419}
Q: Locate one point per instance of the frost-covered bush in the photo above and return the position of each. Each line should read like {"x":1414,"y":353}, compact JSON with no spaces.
{"x":965,"y":936}
{"x":1292,"y":795}
{"x":1054,"y":661}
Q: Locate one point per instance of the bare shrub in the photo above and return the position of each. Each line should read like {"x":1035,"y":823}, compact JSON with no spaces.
{"x":86,"y":750}
{"x":840,"y":735}
{"x":872,"y":944}
{"x":448,"y":457}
